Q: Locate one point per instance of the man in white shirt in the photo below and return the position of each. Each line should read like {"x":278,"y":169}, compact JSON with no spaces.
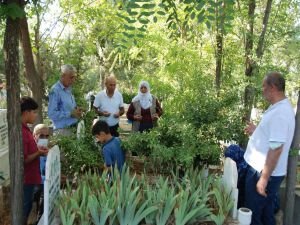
{"x":109,"y":105}
{"x":267,"y":151}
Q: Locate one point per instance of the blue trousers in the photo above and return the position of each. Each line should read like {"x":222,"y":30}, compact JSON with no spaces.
{"x":262,"y":207}
{"x":28,"y":191}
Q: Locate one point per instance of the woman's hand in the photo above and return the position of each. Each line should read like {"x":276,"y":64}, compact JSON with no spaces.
{"x":137,"y":117}
{"x":155,"y":116}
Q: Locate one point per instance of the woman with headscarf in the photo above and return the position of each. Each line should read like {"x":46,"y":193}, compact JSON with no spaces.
{"x":144,"y":110}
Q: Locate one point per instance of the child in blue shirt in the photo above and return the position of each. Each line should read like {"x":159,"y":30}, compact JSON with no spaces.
{"x":112,"y":151}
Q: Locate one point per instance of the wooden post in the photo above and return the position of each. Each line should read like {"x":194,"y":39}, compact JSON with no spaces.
{"x":292,"y":172}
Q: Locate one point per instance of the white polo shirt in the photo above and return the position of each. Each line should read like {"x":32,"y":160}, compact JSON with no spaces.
{"x":110,"y":104}
{"x":277,"y":125}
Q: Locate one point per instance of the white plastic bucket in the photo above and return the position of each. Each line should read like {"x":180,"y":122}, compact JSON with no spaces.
{"x":244,"y":216}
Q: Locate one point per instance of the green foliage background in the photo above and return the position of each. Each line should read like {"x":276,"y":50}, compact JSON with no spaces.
{"x":171,"y":44}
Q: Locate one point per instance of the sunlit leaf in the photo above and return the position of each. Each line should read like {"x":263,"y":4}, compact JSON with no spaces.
{"x":211,"y":18}
{"x":200,"y":5}
{"x":142,"y":29}
{"x":132,"y":13}
{"x":148,"y":6}
{"x":128,"y":35}
{"x":212,"y":3}
{"x":193,"y":15}
{"x":229,"y":17}
{"x":211,"y":10}
{"x":170,"y":24}
{"x":189,"y":9}
{"x":208,"y":24}
{"x":133,"y":5}
{"x":162,"y":13}
{"x":129,"y":27}
{"x":144,"y":21}
{"x":147,"y":13}
{"x":200,"y":18}
{"x":140,"y":35}
{"x":130,"y":20}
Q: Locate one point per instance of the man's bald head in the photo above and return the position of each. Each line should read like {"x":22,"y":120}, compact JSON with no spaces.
{"x":110,"y":84}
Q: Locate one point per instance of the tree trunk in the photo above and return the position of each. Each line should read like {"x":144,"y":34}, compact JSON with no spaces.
{"x":251,"y":64}
{"x":249,"y":90}
{"x":37,"y":43}
{"x":35,"y":82}
{"x":16,"y":157}
{"x":219,"y":57}
{"x":220,"y":17}
{"x":260,"y":45}
{"x":291,"y":178}
{"x":249,"y":38}
{"x":103,"y":70}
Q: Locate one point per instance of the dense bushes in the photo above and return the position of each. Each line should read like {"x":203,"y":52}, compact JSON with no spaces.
{"x":127,"y":97}
{"x":190,"y":130}
{"x":79,"y":155}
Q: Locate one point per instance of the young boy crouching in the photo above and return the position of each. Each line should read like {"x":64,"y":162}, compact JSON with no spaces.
{"x":111,"y":149}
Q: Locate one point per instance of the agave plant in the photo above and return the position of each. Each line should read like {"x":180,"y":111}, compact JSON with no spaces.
{"x":79,"y":204}
{"x":127,"y":200}
{"x":190,"y":208}
{"x":192,"y":180}
{"x":131,"y":209}
{"x":66,"y":216}
{"x":163,"y":197}
{"x":223,"y":201}
{"x":150,"y":195}
{"x":99,"y":212}
{"x":167,"y":203}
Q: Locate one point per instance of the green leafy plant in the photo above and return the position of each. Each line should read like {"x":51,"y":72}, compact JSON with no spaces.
{"x":127,"y":96}
{"x":66,"y":216}
{"x":130,"y":209}
{"x":79,"y":155}
{"x":172,"y":144}
{"x":222,"y":202}
{"x":127,"y":200}
{"x":190,"y":208}
{"x":100,"y":212}
{"x":164,"y":198}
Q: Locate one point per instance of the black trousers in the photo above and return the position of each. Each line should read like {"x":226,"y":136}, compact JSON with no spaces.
{"x":114,"y":130}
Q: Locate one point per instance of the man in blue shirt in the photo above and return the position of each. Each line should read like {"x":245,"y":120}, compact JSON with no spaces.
{"x":112,"y":151}
{"x":62,"y":109}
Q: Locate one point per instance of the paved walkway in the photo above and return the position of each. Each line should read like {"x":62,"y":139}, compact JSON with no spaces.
{"x":124,"y":125}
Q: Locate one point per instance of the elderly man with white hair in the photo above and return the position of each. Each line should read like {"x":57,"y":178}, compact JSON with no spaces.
{"x":62,"y":108}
